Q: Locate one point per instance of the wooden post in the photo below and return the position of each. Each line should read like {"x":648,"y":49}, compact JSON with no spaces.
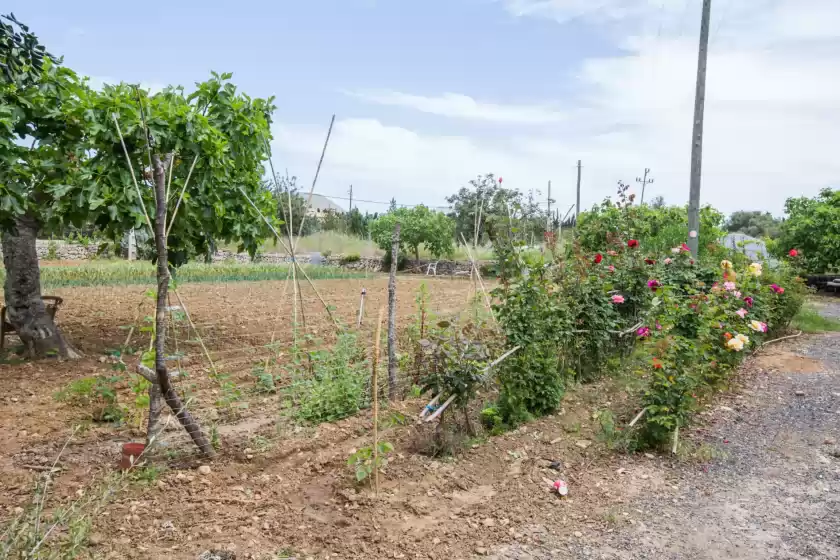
{"x":392,"y":315}
{"x":697,"y":133}
{"x":375,"y":395}
{"x":361,"y":307}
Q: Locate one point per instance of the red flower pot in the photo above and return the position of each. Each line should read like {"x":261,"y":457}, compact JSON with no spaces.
{"x":131,"y":454}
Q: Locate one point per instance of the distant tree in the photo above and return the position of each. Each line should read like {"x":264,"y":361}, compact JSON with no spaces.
{"x":658,"y":202}
{"x":485,"y":197}
{"x":418,"y":226}
{"x":812,"y":228}
{"x":754,"y":223}
{"x":281,"y":189}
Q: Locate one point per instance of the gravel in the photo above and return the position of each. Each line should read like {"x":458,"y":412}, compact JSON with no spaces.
{"x":773,"y":492}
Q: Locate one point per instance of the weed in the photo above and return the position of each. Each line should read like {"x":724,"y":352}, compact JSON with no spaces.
{"x":263,"y":379}
{"x":97,"y":392}
{"x":286,"y":553}
{"x":260,"y":444}
{"x":809,"y":320}
{"x":146,"y":474}
{"x":334,"y":389}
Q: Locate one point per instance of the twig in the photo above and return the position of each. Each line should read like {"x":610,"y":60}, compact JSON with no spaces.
{"x":778,"y":339}
{"x":181,"y":197}
{"x":133,"y":178}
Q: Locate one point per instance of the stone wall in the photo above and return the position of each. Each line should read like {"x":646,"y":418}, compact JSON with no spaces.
{"x":62,"y":250}
{"x":75,"y":251}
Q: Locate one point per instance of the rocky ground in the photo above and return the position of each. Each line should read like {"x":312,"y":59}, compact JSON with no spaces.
{"x":772,"y":489}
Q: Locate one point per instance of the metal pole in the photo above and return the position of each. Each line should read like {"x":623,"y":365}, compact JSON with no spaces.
{"x":697,"y":135}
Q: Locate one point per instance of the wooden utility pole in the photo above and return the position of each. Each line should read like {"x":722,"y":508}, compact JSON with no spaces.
{"x":697,"y":135}
{"x":645,"y":182}
{"x":351,"y":198}
{"x":392,"y":315}
{"x":548,"y":212}
{"x":577,"y":202}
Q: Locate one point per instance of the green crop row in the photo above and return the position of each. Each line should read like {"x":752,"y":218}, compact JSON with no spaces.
{"x":116,"y":273}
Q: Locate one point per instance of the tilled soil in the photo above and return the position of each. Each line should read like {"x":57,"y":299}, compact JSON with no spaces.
{"x":766,"y":488}
{"x":774,"y":491}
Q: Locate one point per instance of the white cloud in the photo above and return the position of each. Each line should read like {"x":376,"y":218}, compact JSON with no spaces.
{"x":464,"y":107}
{"x":772,"y":114}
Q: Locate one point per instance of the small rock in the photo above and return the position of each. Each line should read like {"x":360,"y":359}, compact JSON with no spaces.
{"x":18,"y":510}
{"x":435,"y":541}
{"x":489,"y":522}
{"x":583,"y":443}
{"x":649,"y":455}
{"x":827,"y":441}
{"x":578,"y":534}
{"x":204,"y":469}
{"x":481,"y":551}
{"x":102,"y":359}
{"x":799,"y":393}
{"x":621,"y":471}
{"x":95,"y":539}
{"x":22,"y":434}
{"x":180,"y":476}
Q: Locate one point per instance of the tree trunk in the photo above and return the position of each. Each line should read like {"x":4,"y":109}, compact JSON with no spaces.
{"x":169,"y":394}
{"x":392,"y":316}
{"x":25,"y":309}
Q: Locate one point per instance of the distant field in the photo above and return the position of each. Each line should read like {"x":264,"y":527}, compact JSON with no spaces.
{"x":116,"y":273}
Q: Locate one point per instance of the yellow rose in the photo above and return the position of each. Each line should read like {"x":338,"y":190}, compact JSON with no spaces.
{"x":735,"y":344}
{"x":755,"y":269}
{"x":725,"y":265}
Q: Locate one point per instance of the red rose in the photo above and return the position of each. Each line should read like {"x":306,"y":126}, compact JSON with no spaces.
{"x":500,"y":179}
{"x":650,"y":261}
{"x":632,"y":243}
{"x":598,"y":258}
{"x":793,"y":253}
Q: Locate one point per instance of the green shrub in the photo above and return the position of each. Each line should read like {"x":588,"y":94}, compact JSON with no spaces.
{"x":351,"y":258}
{"x":329,"y":385}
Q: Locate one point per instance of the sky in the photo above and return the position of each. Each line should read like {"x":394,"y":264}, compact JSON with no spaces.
{"x":428,"y":94}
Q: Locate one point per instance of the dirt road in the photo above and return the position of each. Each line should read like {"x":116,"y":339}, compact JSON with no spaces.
{"x":774,"y":491}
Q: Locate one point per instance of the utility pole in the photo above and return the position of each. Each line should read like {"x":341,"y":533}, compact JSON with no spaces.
{"x":351,"y":198}
{"x":645,"y":182}
{"x":548,"y":212}
{"x":697,"y":135}
{"x":577,"y":206}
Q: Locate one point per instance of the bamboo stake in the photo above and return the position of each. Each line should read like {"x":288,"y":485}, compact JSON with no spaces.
{"x":375,"y":383}
{"x":181,"y":197}
{"x":200,"y":341}
{"x":288,"y":250}
{"x":317,"y":173}
{"x":133,"y":177}
{"x":676,"y":439}
{"x":638,"y":417}
{"x":169,"y":181}
{"x":478,"y":275}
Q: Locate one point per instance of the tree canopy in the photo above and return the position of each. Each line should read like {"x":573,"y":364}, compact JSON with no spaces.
{"x":812,"y":228}
{"x":754,"y":223}
{"x":418,"y":226}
